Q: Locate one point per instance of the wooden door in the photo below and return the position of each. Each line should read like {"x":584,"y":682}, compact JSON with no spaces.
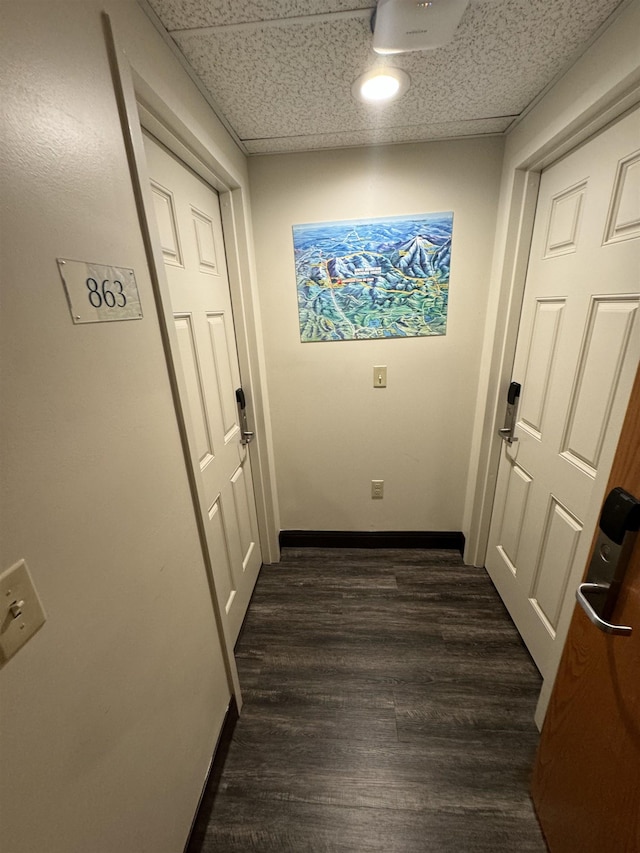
{"x":190,"y":226}
{"x":576,"y":356}
{"x":586,"y":784}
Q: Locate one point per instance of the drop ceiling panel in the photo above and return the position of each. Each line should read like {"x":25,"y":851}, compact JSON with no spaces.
{"x":186,"y":14}
{"x":283,"y":71}
{"x":378,"y":136}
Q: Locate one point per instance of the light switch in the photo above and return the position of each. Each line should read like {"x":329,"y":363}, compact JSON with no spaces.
{"x":380,"y":376}
{"x":21,"y":613}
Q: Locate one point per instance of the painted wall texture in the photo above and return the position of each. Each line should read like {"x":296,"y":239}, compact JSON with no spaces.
{"x":333,"y":432}
{"x":108,"y":717}
{"x":111,"y":712}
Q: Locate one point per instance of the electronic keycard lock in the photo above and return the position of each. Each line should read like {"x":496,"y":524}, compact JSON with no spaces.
{"x":506,"y":432}
{"x":246,"y":435}
{"x":619,"y":523}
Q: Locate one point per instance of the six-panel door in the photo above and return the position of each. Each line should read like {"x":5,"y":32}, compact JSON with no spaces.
{"x":189,"y":222}
{"x":577,"y":352}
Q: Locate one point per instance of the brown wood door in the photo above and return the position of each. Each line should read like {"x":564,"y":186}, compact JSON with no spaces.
{"x":586,"y":783}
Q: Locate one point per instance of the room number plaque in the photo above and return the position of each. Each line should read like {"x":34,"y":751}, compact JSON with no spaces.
{"x":98,"y":294}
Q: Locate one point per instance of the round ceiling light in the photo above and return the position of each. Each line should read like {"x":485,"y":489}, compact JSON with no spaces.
{"x":380,"y":85}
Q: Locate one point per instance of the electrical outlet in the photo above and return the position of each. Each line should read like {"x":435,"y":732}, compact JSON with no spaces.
{"x":21,"y":613}
{"x":377,"y":489}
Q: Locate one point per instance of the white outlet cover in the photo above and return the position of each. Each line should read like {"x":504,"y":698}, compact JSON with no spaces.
{"x":16,"y":588}
{"x":377,"y":489}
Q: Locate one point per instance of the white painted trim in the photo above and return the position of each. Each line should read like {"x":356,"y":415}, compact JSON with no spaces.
{"x":126,"y":95}
{"x":502,"y":324}
{"x":522,"y":205}
{"x":158,"y":119}
{"x":563,"y":133}
{"x":139,"y":105}
{"x":237,"y":229}
{"x":244,"y":298}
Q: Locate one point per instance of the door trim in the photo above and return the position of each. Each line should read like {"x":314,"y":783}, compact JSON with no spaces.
{"x":517,"y":243}
{"x":512,"y":254}
{"x":155,"y":116}
{"x":140,"y":106}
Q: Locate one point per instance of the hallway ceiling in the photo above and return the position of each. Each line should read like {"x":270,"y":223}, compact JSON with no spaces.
{"x":279,"y":72}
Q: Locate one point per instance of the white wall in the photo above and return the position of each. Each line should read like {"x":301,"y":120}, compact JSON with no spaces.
{"x":109,"y":715}
{"x":333,"y":433}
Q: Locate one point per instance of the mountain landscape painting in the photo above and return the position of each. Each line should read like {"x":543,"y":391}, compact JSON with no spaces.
{"x":373,"y":278}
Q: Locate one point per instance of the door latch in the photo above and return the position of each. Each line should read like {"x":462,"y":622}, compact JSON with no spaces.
{"x":506,"y":432}
{"x":619,"y":523}
{"x":246,"y":435}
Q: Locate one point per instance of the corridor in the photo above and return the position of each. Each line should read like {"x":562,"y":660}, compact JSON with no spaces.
{"x":388,"y":707}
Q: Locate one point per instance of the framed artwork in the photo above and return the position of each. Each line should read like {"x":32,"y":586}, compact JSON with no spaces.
{"x":373,"y":278}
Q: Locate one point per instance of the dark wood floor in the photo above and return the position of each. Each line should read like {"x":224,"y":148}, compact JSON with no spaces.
{"x":388,"y":707}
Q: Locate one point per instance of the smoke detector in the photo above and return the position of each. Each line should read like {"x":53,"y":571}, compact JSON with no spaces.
{"x":400,"y":26}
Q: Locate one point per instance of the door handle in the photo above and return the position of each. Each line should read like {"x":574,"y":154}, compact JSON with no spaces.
{"x":506,"y":432}
{"x":601,"y":589}
{"x":618,"y":526}
{"x":246,"y":435}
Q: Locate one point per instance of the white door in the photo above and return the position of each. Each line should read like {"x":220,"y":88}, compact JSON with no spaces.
{"x":576,"y":357}
{"x":190,"y":226}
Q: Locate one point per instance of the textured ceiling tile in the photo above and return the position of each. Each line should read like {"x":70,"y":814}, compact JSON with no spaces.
{"x":517,"y":46}
{"x":283,"y":80}
{"x":381,"y":136}
{"x":292,"y":79}
{"x":302,"y":82}
{"x":187,"y":14}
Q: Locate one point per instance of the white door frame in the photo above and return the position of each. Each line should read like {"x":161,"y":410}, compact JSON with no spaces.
{"x":156,"y":117}
{"x":140,"y":106}
{"x":512,"y":254}
{"x":517,"y":242}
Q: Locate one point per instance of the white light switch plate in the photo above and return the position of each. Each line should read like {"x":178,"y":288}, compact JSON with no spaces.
{"x":380,"y":376}
{"x":21,"y":613}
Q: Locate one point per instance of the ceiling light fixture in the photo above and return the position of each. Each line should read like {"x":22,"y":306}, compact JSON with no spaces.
{"x":380,"y":85}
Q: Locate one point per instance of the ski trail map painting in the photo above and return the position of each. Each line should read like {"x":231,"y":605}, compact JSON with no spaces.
{"x":373,"y":278}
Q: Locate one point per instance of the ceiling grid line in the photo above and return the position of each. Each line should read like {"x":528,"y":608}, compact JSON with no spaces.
{"x":247,"y":26}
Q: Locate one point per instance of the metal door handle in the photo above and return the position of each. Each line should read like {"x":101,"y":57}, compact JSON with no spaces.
{"x":506,"y":432}
{"x":607,"y":627}
{"x":618,"y":527}
{"x":246,"y":435}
